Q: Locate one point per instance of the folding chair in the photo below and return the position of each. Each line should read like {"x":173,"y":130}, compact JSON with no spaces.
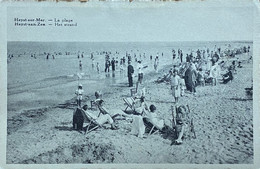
{"x":88,"y":118}
{"x":188,"y":120}
{"x":129,"y":102}
{"x":151,"y":127}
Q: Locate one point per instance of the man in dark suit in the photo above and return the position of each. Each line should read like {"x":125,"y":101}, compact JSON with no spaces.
{"x":130,"y":71}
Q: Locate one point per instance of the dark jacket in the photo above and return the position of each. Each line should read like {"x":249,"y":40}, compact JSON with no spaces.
{"x":130,"y":70}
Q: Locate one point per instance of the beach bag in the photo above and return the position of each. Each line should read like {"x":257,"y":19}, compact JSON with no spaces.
{"x":78,"y":120}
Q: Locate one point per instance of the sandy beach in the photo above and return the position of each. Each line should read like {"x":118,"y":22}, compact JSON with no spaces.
{"x":41,"y":101}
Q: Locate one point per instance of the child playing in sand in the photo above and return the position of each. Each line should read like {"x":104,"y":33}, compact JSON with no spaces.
{"x":79,"y":92}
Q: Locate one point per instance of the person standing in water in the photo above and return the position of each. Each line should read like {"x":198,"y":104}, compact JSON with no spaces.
{"x":80,"y":65}
{"x":156,"y":63}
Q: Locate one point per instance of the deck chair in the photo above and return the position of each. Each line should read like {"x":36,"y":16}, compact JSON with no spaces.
{"x":188,"y":120}
{"x":152,"y":127}
{"x":91,"y":121}
{"x":129,"y":102}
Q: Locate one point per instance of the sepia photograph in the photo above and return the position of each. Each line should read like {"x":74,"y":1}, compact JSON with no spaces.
{"x":109,"y":88}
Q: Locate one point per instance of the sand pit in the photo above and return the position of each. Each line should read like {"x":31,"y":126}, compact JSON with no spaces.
{"x":40,"y":131}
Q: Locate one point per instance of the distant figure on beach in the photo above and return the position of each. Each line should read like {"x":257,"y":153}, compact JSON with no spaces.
{"x":113,"y":64}
{"x":79,"y":92}
{"x":175,"y":86}
{"x":187,"y":58}
{"x":53,"y":57}
{"x":130,"y":72}
{"x":47,"y":57}
{"x":181,"y":56}
{"x":140,"y":72}
{"x":98,"y":68}
{"x":80,"y":65}
{"x":92,"y":64}
{"x":107,"y":65}
{"x":156,"y":63}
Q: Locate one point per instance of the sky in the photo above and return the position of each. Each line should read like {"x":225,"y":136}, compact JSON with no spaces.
{"x":177,"y":21}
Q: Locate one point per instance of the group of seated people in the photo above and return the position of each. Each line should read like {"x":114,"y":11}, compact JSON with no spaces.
{"x":140,"y":115}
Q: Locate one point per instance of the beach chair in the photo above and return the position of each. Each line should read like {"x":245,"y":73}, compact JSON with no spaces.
{"x":188,"y":121}
{"x":129,"y":102}
{"x":91,"y":121}
{"x":152,"y":128}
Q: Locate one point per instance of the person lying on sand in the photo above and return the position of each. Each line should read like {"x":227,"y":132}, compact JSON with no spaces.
{"x":101,"y":119}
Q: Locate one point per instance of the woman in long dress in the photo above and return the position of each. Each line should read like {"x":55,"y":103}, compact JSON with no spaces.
{"x":175,"y":86}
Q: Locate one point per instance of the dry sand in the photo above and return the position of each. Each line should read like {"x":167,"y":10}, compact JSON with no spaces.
{"x":42,"y":134}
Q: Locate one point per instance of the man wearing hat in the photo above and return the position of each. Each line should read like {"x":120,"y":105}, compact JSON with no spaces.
{"x":130,"y":72}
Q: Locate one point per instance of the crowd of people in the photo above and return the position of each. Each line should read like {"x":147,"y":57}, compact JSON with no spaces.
{"x":200,"y":67}
{"x":203,"y":68}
